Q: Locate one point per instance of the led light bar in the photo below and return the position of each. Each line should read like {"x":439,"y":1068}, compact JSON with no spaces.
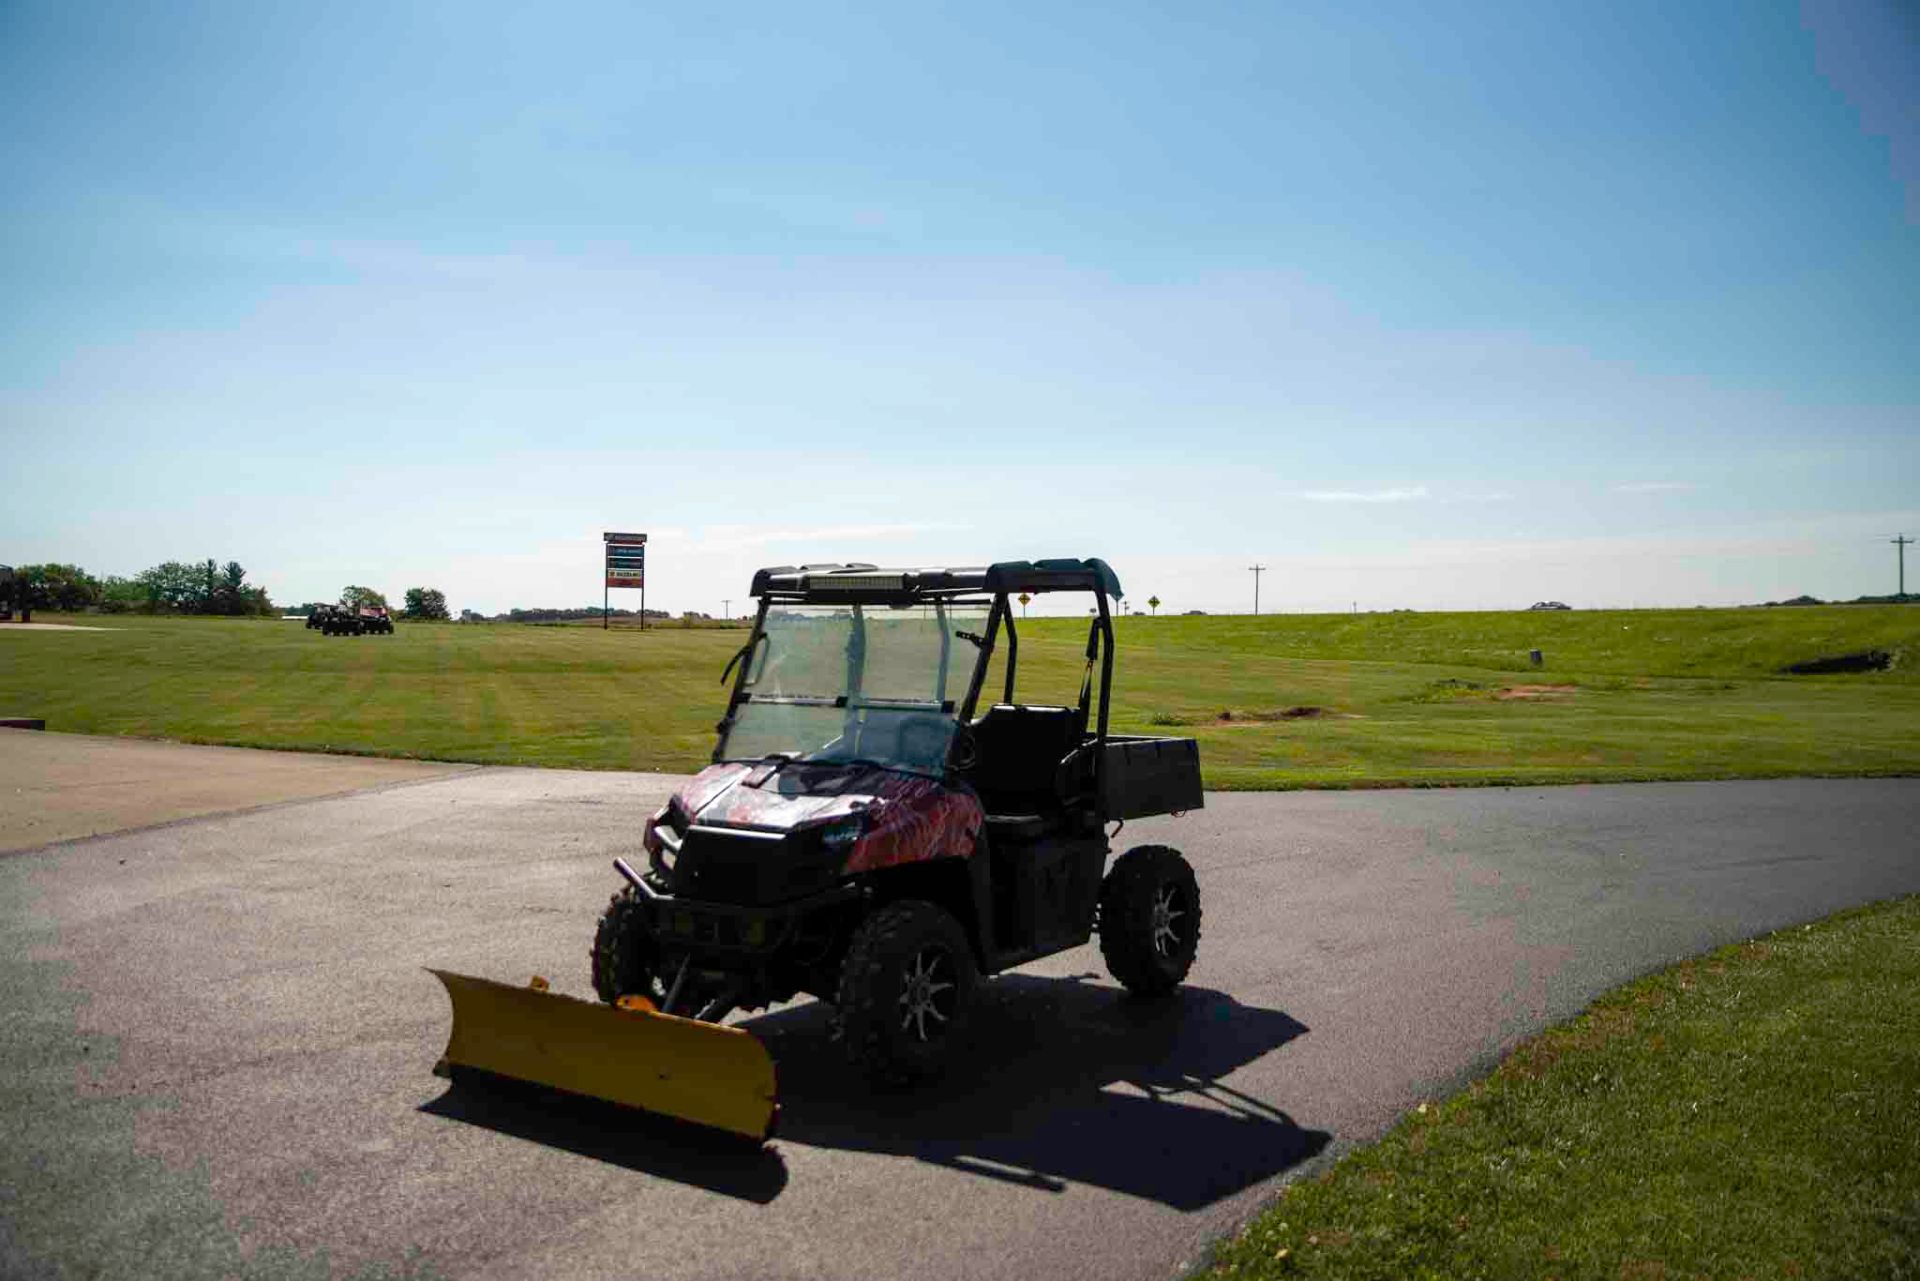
{"x":858,"y":582}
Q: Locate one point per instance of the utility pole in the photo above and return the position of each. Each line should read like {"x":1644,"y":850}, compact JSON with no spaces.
{"x":726,"y":609}
{"x":1257,"y":571}
{"x":1900,"y":547}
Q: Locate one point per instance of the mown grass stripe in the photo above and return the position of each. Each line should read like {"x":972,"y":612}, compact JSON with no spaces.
{"x":1694,"y":695}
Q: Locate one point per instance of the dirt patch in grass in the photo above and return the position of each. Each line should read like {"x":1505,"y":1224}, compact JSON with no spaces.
{"x":1229,"y":716}
{"x":1533,"y":693}
{"x":1868,"y":660}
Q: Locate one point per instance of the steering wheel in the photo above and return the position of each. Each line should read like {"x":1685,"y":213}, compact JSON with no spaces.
{"x":963,"y":753}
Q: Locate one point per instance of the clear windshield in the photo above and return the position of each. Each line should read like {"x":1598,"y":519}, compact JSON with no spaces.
{"x":856,"y":683}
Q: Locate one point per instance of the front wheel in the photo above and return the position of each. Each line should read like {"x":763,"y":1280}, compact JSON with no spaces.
{"x":1150,"y":920}
{"x":624,"y":955}
{"x":906,"y":988}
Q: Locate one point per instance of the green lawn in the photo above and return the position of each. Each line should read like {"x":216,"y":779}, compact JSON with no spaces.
{"x":1753,"y":1113}
{"x":1395,"y":698}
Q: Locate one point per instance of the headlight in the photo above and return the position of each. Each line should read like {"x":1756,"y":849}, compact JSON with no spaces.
{"x":842,"y":834}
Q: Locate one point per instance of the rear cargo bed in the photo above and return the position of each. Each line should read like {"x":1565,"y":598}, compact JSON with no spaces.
{"x":1143,"y":776}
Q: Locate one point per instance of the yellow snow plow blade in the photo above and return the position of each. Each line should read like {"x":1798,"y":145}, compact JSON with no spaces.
{"x":700,"y":1072}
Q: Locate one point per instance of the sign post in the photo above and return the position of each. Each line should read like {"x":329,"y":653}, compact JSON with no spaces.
{"x":626,"y":567}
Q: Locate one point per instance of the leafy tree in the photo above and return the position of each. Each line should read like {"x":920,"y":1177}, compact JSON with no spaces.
{"x":121,"y":595}
{"x":426,"y":603}
{"x":1153,"y":603}
{"x":67,"y":588}
{"x":204,"y":587}
{"x":360,"y":597}
{"x":173,"y":585}
{"x":228,"y":591}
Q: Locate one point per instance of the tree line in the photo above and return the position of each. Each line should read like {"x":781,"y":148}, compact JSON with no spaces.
{"x":171,"y":587}
{"x":186,"y":587}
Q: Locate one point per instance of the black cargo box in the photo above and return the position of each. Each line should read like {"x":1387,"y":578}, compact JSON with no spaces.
{"x":1147,"y":776}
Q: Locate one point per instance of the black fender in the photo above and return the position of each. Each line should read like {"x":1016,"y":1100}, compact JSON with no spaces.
{"x":961,"y":884}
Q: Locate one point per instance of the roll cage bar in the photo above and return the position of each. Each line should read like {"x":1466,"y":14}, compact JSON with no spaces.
{"x":871,"y":585}
{"x":862,"y":584}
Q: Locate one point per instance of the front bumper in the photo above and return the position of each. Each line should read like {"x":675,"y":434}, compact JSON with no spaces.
{"x":723,"y":930}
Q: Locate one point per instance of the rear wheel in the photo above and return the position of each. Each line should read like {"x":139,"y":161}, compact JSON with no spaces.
{"x":906,"y":988}
{"x":1150,"y":920}
{"x":624,"y":955}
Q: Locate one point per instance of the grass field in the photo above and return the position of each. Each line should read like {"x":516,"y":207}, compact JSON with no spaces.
{"x":1748,"y":1114}
{"x":1277,"y":701}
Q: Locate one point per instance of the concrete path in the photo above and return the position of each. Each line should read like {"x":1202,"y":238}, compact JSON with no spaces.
{"x":56,"y":787}
{"x":9,"y":627}
{"x":217,"y":1034}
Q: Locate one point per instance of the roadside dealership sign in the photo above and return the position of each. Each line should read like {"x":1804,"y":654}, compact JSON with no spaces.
{"x":626,"y":560}
{"x":626,"y":566}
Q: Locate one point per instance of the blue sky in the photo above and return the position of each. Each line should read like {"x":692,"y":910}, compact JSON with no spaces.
{"x":1420,"y":305}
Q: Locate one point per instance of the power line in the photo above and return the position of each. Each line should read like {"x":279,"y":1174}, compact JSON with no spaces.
{"x":1257,"y":571}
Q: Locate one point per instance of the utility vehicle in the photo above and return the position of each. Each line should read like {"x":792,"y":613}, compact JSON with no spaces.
{"x":878,"y":829}
{"x":348,"y":620}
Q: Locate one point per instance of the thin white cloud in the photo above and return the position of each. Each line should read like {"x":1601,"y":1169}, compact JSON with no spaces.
{"x":1405,"y":495}
{"x":728,"y":537}
{"x":1656,"y":487}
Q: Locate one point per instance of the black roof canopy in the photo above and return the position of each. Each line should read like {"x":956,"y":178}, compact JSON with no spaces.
{"x":906,"y":586}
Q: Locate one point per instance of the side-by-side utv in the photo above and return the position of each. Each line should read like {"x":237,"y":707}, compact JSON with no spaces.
{"x":878,"y":829}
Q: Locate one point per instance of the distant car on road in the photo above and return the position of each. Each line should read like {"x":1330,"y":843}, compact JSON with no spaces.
{"x":1549,"y":604}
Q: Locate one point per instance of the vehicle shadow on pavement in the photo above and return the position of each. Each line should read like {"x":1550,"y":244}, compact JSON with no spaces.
{"x":1061,"y":1081}
{"x":619,"y":1136}
{"x":1064,"y":1081}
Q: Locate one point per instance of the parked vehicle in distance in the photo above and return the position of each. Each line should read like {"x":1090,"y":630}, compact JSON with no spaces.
{"x":345,"y":620}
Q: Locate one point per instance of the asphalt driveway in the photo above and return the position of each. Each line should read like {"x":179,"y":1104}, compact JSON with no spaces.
{"x":217,"y":1033}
